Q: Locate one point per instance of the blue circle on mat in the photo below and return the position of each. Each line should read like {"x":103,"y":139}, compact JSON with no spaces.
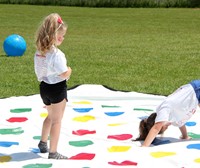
{"x":190,"y":124}
{"x":35,"y":150}
{"x":194,"y":146}
{"x":143,"y":117}
{"x":8,"y":144}
{"x":114,"y":113}
{"x":82,"y":110}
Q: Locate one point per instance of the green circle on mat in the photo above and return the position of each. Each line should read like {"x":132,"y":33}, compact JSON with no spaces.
{"x":37,"y":165}
{"x":20,"y":110}
{"x":193,"y":135}
{"x":81,"y":143}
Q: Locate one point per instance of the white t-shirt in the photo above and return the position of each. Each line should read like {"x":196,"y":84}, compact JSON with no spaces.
{"x":49,"y":67}
{"x":178,"y":107}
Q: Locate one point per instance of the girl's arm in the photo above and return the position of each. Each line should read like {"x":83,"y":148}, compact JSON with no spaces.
{"x":184,"y":132}
{"x":66,"y":75}
{"x":152,"y":134}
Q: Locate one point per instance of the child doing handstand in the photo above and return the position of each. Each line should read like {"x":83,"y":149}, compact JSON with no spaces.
{"x":175,"y":110}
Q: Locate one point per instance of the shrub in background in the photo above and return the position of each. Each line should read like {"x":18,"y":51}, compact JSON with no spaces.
{"x":109,"y":3}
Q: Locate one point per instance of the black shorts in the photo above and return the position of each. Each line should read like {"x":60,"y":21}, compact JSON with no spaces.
{"x":53,"y":93}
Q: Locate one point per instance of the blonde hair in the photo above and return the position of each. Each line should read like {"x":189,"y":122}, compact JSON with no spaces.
{"x":46,"y":33}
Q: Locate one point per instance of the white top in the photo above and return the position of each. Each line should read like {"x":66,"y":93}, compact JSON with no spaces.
{"x":178,"y":107}
{"x":49,"y":67}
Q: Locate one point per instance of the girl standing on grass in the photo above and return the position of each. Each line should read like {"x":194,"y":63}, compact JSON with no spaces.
{"x":175,"y":110}
{"x":52,"y":72}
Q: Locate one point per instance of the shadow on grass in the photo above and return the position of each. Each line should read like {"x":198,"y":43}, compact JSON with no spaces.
{"x":3,"y":56}
{"x":6,"y":56}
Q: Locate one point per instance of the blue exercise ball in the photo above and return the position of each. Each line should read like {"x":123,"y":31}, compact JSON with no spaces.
{"x":14,"y":45}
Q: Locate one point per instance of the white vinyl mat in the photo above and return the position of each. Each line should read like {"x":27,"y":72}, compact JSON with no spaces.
{"x":97,"y":131}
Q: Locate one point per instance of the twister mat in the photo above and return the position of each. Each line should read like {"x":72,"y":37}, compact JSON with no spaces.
{"x":97,"y":130}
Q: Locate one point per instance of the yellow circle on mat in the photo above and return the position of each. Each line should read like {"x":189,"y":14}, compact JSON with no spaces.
{"x":5,"y":159}
{"x":82,"y":102}
{"x":119,"y":148}
{"x":116,"y":124}
{"x":43,"y":115}
{"x":162,"y":154}
{"x":84,"y":118}
{"x":197,"y":160}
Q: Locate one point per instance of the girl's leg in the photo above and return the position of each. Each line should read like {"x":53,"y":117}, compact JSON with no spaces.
{"x":46,"y":126}
{"x":56,"y":114}
{"x":45,"y":132}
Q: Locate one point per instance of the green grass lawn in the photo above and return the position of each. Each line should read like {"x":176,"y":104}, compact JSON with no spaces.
{"x":151,"y":50}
